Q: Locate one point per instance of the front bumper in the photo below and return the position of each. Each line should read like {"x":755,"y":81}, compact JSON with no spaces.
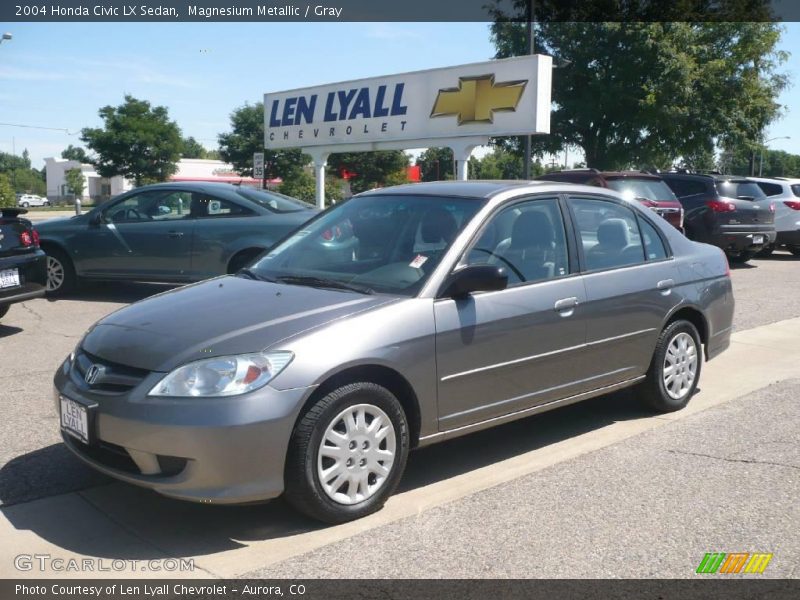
{"x":32,"y":276}
{"x":211,"y":450}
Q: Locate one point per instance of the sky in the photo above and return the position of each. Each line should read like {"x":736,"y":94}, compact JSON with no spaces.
{"x":57,"y":75}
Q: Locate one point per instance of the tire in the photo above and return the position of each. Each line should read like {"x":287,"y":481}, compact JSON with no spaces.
{"x":795,"y":250}
{"x":333,"y":499}
{"x":4,"y":310}
{"x":655,"y":391}
{"x":242,"y":259}
{"x":46,"y":203}
{"x":25,"y":205}
{"x":740,"y":259}
{"x":766,"y":251}
{"x":59,"y":263}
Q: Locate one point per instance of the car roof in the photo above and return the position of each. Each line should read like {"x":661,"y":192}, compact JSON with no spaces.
{"x":473,"y":188}
{"x":706,"y":176}
{"x":589,"y":173}
{"x":195,"y":186}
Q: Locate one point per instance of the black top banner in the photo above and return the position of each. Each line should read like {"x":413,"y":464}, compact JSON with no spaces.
{"x":400,"y":11}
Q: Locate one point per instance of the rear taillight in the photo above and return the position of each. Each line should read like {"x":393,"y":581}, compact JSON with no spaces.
{"x":793,"y":204}
{"x":26,"y":239}
{"x":35,"y":237}
{"x":720,"y":207}
{"x":771,"y":207}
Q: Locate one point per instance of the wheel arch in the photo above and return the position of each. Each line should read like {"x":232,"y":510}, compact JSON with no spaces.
{"x":695,"y":316}
{"x":381,"y":375}
{"x":239,"y":254}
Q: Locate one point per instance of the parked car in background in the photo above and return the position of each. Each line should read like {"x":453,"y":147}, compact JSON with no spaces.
{"x":26,"y":200}
{"x":22,"y":262}
{"x":168,"y":232}
{"x":728,"y":211}
{"x":785,"y":193}
{"x":647,"y":188}
{"x":461,"y":305}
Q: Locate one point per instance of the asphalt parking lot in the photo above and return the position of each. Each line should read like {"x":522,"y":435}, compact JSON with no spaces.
{"x":600,"y":489}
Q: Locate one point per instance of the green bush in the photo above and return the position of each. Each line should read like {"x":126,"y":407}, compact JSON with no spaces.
{"x":7,"y":197}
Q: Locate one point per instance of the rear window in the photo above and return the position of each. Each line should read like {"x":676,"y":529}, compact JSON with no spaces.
{"x":652,"y":189}
{"x":274,"y":201}
{"x":737,"y":189}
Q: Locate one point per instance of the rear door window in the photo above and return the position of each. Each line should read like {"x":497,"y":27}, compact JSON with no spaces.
{"x":608,"y":232}
{"x":771,"y":189}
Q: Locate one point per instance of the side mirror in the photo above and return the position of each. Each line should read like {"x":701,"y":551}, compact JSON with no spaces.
{"x":475,"y":278}
{"x":96,"y":218}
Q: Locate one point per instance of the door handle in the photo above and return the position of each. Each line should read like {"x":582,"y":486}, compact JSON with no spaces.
{"x":665,"y":285}
{"x":175,"y":234}
{"x":565,"y":305}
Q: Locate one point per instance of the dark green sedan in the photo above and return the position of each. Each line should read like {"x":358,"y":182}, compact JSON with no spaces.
{"x":168,"y":232}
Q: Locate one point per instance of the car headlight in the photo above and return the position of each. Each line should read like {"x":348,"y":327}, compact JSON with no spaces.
{"x":223,"y":375}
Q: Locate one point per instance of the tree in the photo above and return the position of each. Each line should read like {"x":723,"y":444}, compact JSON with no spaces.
{"x":500,"y":164}
{"x":9,"y":162}
{"x":247,"y":138}
{"x":436,"y":164}
{"x":138,"y":141}
{"x":193,"y":149}
{"x":370,"y":169}
{"x":75,"y":181}
{"x":645,"y":92}
{"x":76,"y":153}
{"x":303,"y":187}
{"x":7,"y":197}
{"x":28,"y":181}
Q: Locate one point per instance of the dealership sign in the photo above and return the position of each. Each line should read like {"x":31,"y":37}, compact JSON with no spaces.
{"x":496,"y":98}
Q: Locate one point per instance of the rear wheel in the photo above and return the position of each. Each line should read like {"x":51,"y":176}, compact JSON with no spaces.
{"x":4,"y":311}
{"x":61,"y":277}
{"x":795,"y":250}
{"x":741,"y":258}
{"x":242,"y":259}
{"x":766,"y":251}
{"x":347,"y":453}
{"x":46,"y":203}
{"x":675,"y":368}
{"x":25,"y":205}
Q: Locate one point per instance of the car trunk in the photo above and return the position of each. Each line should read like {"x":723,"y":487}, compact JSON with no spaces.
{"x":11,"y":231}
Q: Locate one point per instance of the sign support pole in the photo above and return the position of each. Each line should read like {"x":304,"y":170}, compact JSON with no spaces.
{"x":320,"y":158}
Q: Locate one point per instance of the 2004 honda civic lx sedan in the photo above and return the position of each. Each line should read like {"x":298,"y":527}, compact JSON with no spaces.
{"x":402,"y":317}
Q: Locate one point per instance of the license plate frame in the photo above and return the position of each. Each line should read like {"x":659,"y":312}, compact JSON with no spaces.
{"x":77,"y":419}
{"x":9,"y":278}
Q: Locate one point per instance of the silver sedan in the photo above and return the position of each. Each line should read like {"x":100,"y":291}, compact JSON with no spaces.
{"x":402,"y":317}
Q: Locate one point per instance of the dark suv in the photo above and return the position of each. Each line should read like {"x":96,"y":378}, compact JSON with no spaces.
{"x":728,"y":211}
{"x":647,"y":188}
{"x":22,"y":262}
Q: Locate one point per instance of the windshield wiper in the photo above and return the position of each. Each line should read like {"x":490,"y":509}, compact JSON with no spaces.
{"x":250,"y":274}
{"x":324,"y":283}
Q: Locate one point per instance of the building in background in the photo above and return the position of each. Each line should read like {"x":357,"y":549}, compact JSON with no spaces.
{"x":100,"y":189}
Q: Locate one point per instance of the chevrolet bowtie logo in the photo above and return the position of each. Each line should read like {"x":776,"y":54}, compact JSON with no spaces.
{"x":476,"y":99}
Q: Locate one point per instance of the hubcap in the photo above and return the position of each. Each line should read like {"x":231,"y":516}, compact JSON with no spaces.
{"x":55,"y":274}
{"x":680,"y":365}
{"x":356,"y":454}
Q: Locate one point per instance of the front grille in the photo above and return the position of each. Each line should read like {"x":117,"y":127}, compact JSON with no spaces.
{"x":107,"y":377}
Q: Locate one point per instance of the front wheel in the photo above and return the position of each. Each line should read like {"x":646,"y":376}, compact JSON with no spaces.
{"x":347,"y":453}
{"x":766,"y":251}
{"x":675,"y":368}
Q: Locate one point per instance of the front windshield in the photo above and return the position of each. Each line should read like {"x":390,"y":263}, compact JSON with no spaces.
{"x":273,"y":200}
{"x":378,"y":243}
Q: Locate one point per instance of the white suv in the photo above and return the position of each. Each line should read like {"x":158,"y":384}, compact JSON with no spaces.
{"x":26,"y":200}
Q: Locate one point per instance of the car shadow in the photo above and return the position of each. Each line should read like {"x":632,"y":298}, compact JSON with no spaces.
{"x":741,"y":266}
{"x":9,"y":330}
{"x":781,"y":256}
{"x":115,"y":291}
{"x":183,"y":529}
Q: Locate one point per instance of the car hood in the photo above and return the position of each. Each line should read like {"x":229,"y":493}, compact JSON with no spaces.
{"x":217,"y":317}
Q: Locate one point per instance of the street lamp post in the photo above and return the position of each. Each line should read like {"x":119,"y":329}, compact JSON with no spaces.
{"x":761,"y":158}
